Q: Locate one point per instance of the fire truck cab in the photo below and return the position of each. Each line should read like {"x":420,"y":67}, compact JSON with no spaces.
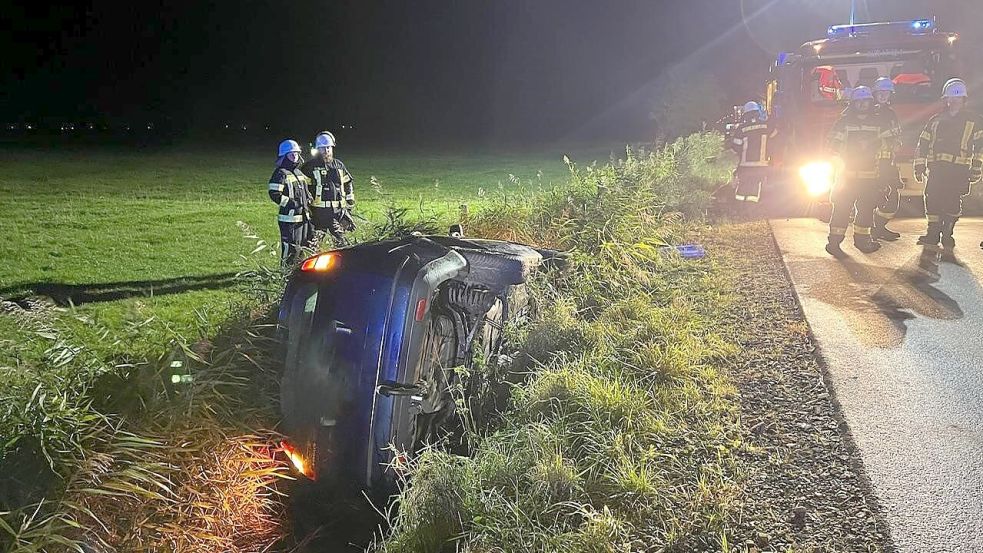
{"x":809,"y":90}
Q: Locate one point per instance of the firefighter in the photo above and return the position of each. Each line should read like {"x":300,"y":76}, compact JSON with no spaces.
{"x":888,"y":207}
{"x":332,"y":189}
{"x":950,"y":158}
{"x":857,"y":143}
{"x":288,"y":189}
{"x":750,"y":141}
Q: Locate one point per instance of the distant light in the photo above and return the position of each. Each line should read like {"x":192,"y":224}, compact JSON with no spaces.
{"x":29,"y":127}
{"x":226,"y":125}
{"x":953,"y":39}
{"x":921,"y":24}
{"x":313,"y":152}
{"x":267,"y":127}
{"x":243,"y":127}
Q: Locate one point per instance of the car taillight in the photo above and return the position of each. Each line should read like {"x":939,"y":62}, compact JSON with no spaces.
{"x":319,"y":263}
{"x":297,"y":459}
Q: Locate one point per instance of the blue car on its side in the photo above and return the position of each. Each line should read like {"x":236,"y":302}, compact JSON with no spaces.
{"x":371,"y":336}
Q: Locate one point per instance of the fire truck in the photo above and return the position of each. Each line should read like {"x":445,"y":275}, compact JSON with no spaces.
{"x":809,"y":89}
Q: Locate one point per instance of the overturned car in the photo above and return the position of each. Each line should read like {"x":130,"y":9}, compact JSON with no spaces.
{"x":371,"y":337}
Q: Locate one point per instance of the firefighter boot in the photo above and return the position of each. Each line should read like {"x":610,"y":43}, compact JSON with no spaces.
{"x":865,"y":243}
{"x":948,"y":242}
{"x":833,"y":247}
{"x":932,"y":236}
{"x":881,"y":232}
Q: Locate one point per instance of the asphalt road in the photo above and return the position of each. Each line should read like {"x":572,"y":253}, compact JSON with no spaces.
{"x":902,"y":336}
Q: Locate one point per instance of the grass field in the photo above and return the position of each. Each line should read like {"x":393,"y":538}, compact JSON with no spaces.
{"x":119,"y":259}
{"x":158,"y":233}
{"x":134,"y":255}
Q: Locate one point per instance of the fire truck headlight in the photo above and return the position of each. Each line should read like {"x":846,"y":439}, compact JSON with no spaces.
{"x":818,"y":177}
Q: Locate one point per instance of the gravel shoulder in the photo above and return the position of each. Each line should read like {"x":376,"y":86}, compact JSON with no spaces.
{"x":805,"y":487}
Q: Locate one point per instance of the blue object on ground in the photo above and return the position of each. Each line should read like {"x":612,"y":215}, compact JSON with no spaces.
{"x":686,"y":251}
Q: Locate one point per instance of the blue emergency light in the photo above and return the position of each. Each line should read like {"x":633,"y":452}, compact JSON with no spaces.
{"x":916,"y":26}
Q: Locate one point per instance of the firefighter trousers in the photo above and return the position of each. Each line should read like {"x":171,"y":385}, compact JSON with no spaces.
{"x":329,"y":222}
{"x":944,"y":191}
{"x":854,"y":194}
{"x":750,"y":180}
{"x":322,"y":217}
{"x":890,"y":203}
{"x":293,"y":236}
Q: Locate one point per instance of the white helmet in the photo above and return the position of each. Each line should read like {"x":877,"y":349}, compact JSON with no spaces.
{"x":324,"y":139}
{"x":288,"y":146}
{"x":751,"y":106}
{"x":884,"y":84}
{"x":861,"y":93}
{"x":955,"y":88}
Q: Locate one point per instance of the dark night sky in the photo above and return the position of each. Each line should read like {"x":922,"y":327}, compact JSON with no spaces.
{"x":477,"y":71}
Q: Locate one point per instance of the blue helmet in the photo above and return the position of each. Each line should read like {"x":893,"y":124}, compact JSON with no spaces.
{"x":324,"y":139}
{"x":884,"y":84}
{"x":288,"y":146}
{"x":861,"y":93}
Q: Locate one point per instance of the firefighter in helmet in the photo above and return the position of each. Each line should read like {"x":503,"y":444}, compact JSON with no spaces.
{"x":888,"y":207}
{"x":750,"y":142}
{"x":857,"y":143}
{"x":332,"y":188}
{"x":288,"y":189}
{"x":949,"y":160}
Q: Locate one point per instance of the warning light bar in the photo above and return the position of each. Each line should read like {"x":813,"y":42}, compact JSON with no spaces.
{"x":319,"y":263}
{"x":914,"y":27}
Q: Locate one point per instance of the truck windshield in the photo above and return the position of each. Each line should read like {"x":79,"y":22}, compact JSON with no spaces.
{"x":917,"y":76}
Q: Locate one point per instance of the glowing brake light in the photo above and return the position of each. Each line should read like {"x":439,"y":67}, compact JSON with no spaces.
{"x":319,"y":263}
{"x":297,"y":460}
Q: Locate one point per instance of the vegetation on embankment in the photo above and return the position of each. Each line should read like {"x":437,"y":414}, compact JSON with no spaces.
{"x":129,"y":262}
{"x":621,"y":437}
{"x":624,"y":435}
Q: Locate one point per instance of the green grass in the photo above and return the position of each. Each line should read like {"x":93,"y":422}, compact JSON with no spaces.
{"x":152,"y":226}
{"x":102,"y":216}
{"x":624,"y":436}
